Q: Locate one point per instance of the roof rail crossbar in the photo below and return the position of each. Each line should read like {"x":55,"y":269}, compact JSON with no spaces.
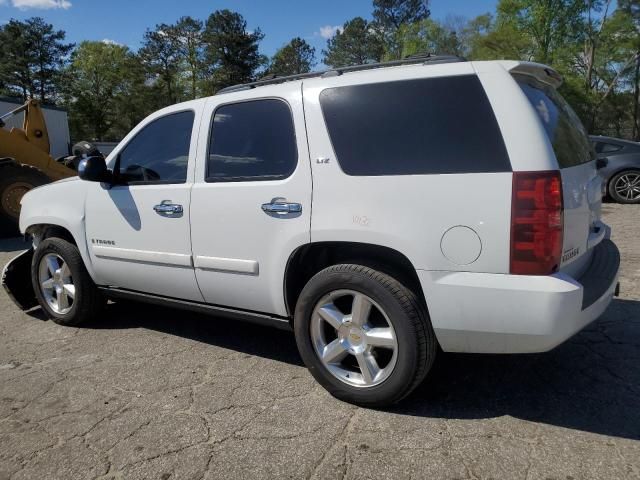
{"x":411,"y":60}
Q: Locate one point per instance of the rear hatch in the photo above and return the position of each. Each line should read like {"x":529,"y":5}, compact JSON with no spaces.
{"x":581,"y":184}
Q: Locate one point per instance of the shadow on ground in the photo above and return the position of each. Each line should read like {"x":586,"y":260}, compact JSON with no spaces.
{"x":591,"y":383}
{"x":13,"y":244}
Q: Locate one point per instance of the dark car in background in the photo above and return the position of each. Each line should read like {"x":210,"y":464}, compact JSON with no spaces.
{"x":622,"y":171}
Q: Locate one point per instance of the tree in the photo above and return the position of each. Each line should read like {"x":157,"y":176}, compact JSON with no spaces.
{"x":295,"y":57}
{"x":547,"y":25}
{"x":356,"y":44}
{"x":34,"y":55}
{"x":231,"y":51}
{"x":97,"y":78}
{"x":187,"y":35}
{"x":390,"y":15}
{"x":161,"y":56}
{"x":631,"y":8}
{"x":15,"y":68}
{"x":429,"y":36}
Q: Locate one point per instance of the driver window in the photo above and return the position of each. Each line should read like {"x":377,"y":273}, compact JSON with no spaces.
{"x":159,"y":153}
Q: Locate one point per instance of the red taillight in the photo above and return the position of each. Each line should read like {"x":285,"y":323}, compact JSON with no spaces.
{"x":536,"y":223}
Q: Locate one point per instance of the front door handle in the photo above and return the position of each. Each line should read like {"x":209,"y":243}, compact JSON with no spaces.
{"x":280,"y":206}
{"x":168,"y":209}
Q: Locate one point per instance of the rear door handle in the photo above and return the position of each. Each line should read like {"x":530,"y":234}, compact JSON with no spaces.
{"x":168,"y":209}
{"x":280,"y":206}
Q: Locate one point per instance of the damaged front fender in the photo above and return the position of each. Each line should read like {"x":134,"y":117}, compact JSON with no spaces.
{"x":16,"y":280}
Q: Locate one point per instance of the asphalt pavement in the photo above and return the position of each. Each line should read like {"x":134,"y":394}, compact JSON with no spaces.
{"x":154,"y":393}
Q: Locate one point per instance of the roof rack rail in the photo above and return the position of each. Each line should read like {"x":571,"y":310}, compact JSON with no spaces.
{"x":424,"y":59}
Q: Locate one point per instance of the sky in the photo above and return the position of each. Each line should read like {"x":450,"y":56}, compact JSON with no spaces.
{"x":125,"y":21}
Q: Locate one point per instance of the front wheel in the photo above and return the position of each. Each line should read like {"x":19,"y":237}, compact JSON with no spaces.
{"x":364,"y":336}
{"x":625,"y":187}
{"x":62,"y":284}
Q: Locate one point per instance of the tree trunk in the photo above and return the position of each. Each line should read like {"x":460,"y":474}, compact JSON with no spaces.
{"x":636,"y":103}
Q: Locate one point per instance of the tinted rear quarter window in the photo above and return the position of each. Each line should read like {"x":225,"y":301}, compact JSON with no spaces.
{"x":252,"y":140}
{"x":423,"y":126}
{"x":563,"y":127}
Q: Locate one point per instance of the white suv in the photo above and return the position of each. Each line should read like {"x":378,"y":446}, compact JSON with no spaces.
{"x":382,"y":212}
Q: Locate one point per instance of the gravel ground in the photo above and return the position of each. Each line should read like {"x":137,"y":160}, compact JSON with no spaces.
{"x":153,"y":393}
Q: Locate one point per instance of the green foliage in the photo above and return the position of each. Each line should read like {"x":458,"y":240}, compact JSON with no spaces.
{"x":429,"y":36}
{"x":356,"y":44}
{"x":295,"y":57}
{"x":187,"y":36}
{"x":103,"y":84}
{"x":231,"y":51}
{"x":594,"y":48}
{"x":33,"y":55}
{"x":160,"y":54}
{"x":594,"y":44}
{"x":390,"y":15}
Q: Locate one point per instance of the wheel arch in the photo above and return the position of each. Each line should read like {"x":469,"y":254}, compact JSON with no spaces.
{"x":42,"y":231}
{"x":309,"y":259}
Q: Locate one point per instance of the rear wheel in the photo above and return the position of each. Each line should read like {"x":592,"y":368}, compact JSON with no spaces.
{"x":62,"y":284}
{"x":364,"y":336}
{"x":624,"y":187}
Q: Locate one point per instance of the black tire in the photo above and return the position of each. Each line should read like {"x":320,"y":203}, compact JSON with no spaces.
{"x":16,"y":180}
{"x":87,"y":303}
{"x":417,"y":344}
{"x":613,"y":193}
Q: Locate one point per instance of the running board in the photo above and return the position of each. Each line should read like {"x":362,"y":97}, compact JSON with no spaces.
{"x":226,"y":312}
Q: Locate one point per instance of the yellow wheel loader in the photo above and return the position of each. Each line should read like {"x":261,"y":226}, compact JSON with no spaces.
{"x":25,"y":161}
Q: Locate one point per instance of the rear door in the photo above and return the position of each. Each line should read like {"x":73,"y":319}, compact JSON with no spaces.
{"x":581,"y":184}
{"x":251,"y":202}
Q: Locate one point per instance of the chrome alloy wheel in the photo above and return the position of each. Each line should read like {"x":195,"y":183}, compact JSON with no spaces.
{"x":56,"y":283}
{"x":353,"y":338}
{"x":628,"y":186}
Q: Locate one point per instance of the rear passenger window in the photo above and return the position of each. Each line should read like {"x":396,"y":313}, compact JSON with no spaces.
{"x":424,"y":126}
{"x":252,"y":140}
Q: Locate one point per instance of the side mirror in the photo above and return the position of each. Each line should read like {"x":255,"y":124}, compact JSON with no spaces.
{"x":94,"y":169}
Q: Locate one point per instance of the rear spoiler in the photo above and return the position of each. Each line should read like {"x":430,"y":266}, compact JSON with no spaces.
{"x":540,"y":72}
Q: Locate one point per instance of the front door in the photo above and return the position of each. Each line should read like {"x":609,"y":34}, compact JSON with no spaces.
{"x":251,"y":202}
{"x":138,"y":229}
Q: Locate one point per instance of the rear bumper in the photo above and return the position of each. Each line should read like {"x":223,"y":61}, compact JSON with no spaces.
{"x":493,"y":313}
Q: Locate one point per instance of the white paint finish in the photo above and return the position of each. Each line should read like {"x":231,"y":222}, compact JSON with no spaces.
{"x":227,"y":220}
{"x":408,"y":213}
{"x":524,"y":136}
{"x":461,"y":245}
{"x":145,"y":256}
{"x":488,"y":313}
{"x":232,"y":265}
{"x":582,"y":196}
{"x":530,"y":150}
{"x":125,"y":215}
{"x":474,"y":308}
{"x":63,"y":204}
